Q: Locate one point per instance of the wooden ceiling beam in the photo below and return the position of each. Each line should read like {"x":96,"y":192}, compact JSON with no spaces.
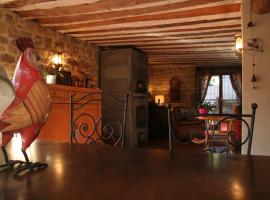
{"x":149,"y":45}
{"x":198,"y":48}
{"x":173,"y":55}
{"x":173,"y":46}
{"x":160,"y":55}
{"x":172,"y":30}
{"x":169,"y":55}
{"x":60,"y":7}
{"x":190,"y":53}
{"x":20,"y":3}
{"x":163,"y":43}
{"x":198,"y":58}
{"x":196,"y":35}
{"x":200,"y":12}
{"x":160,"y":26}
{"x":180,"y":42}
{"x":159,"y":9}
{"x":174,"y":52}
{"x":96,"y":6}
{"x":177,"y":54}
{"x":196,"y":63}
{"x":187,"y":59}
{"x":194,"y":32}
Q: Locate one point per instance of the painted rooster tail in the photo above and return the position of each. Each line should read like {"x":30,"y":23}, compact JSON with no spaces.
{"x":7,"y":94}
{"x":3,"y":125}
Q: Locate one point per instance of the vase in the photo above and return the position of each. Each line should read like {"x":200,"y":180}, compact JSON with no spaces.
{"x":203,"y":111}
{"x":51,"y":79}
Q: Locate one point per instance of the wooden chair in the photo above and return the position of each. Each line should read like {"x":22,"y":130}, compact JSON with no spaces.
{"x":106,"y":122}
{"x":219,"y":139}
{"x":235,"y":142}
{"x":247,"y":120}
{"x":185,"y":127}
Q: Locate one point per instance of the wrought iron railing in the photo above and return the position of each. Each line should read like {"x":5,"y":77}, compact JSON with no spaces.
{"x":102,"y":126}
{"x":230,"y":136}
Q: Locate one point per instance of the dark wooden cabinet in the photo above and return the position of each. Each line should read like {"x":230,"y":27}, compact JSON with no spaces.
{"x":158,"y":120}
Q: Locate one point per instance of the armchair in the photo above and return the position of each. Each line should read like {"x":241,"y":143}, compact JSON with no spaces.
{"x":185,"y":127}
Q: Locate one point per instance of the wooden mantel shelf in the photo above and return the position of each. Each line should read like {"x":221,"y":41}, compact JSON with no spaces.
{"x":61,"y":93}
{"x":57,"y":128}
{"x":71,"y":88}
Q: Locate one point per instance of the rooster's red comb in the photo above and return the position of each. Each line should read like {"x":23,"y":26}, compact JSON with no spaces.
{"x":24,"y":42}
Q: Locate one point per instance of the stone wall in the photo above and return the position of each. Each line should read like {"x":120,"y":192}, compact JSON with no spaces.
{"x":159,"y":83}
{"x":80,"y":55}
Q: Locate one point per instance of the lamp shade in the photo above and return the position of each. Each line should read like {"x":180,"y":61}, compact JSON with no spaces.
{"x":238,"y":43}
{"x":159,"y":99}
{"x":57,"y":59}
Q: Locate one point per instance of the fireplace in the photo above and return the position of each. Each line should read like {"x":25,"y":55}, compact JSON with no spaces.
{"x":126,"y":71}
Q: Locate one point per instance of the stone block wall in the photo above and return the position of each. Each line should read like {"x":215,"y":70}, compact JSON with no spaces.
{"x":80,"y":55}
{"x":159,"y":83}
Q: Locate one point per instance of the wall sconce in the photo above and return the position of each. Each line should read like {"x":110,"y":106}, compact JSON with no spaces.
{"x":57,"y":61}
{"x":159,"y":99}
{"x":253,"y":45}
{"x":238,"y":44}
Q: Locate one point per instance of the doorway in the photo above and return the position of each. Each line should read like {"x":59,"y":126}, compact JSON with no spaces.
{"x":221,"y":94}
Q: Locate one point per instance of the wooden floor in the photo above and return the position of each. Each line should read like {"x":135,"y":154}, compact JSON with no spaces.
{"x":80,"y":171}
{"x":161,"y":142}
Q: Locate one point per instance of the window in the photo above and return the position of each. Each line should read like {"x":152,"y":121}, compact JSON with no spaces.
{"x":221,"y":94}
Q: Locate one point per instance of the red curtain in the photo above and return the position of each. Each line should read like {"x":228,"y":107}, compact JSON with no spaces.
{"x":203,"y":78}
{"x":236,"y":80}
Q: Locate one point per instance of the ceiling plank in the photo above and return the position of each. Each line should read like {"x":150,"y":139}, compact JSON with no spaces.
{"x":191,"y":53}
{"x":95,"y":7}
{"x":167,"y":31}
{"x":168,"y":54}
{"x":160,"y":27}
{"x":176,"y":36}
{"x":200,"y":12}
{"x":184,"y":48}
{"x":159,"y":9}
{"x":192,"y":61}
{"x":166,"y":43}
{"x":195,"y":32}
{"x":207,"y":64}
{"x":20,"y":3}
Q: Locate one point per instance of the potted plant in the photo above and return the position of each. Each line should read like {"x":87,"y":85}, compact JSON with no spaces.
{"x":205,"y":107}
{"x":50,"y":74}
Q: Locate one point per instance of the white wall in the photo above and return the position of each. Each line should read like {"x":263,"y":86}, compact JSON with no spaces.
{"x":260,"y":95}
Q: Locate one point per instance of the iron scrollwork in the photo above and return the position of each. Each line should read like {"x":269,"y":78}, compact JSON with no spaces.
{"x":234,"y":143}
{"x":105,"y":129}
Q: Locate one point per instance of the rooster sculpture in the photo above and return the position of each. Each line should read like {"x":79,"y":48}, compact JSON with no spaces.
{"x":24,"y":106}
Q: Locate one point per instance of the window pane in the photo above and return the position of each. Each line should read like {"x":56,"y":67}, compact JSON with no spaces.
{"x":212,"y":94}
{"x":229,"y":95}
